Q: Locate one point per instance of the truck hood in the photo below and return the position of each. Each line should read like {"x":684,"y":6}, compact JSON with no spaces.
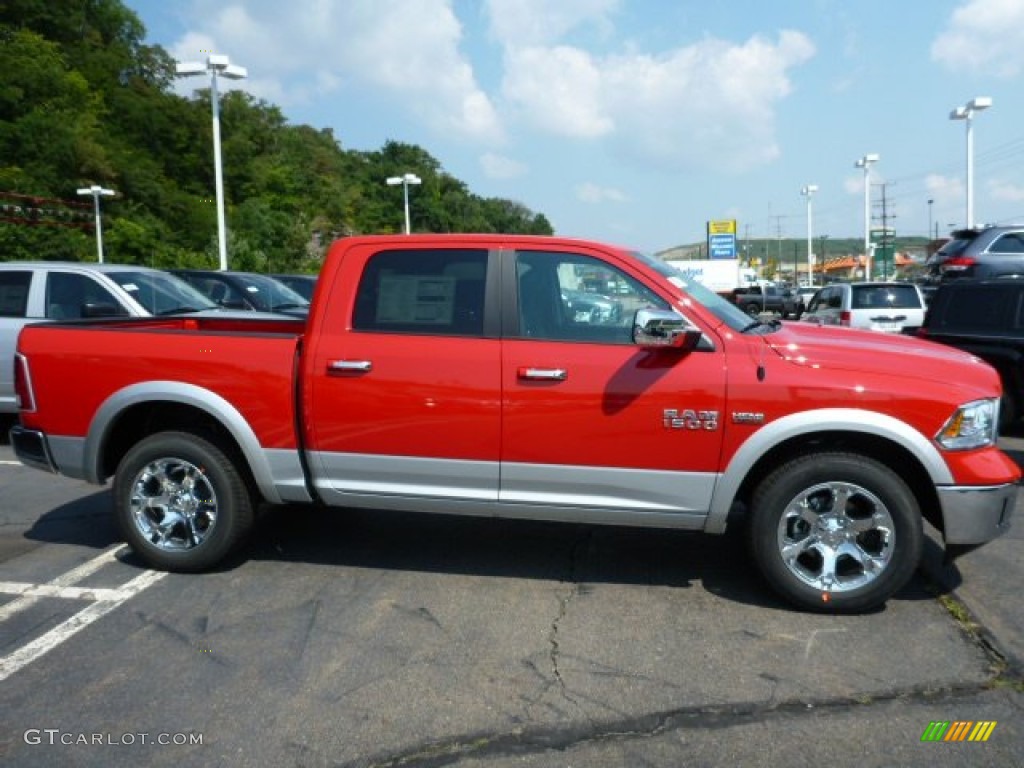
{"x":862,"y":351}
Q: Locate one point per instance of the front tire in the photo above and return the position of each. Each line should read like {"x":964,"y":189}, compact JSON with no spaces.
{"x":835,"y":532}
{"x":180,"y":502}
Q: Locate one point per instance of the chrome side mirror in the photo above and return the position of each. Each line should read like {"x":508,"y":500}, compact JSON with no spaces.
{"x":664,"y":328}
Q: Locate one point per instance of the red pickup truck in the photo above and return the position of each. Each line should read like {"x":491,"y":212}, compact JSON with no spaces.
{"x":467,"y":374}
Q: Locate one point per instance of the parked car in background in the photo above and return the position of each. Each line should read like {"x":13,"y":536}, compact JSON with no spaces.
{"x":984,"y":317}
{"x":888,"y":307}
{"x":980,"y":253}
{"x":245,"y":290}
{"x":804,"y":294}
{"x":301,"y":284}
{"x":587,"y":307}
{"x":767,"y":298}
{"x":35,"y":291}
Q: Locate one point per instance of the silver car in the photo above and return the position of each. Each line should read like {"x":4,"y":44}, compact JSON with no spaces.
{"x":36,"y":291}
{"x":887,"y":307}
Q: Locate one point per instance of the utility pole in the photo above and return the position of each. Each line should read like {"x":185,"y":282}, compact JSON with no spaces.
{"x":885,"y":241}
{"x":778,"y":240}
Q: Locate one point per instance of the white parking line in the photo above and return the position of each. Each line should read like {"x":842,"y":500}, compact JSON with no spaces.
{"x":103,"y":601}
{"x":73,"y":576}
{"x":11,"y":463}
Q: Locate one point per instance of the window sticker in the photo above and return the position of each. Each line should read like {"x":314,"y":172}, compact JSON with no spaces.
{"x":428,"y":300}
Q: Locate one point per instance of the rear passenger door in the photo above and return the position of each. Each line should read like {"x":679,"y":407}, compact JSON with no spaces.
{"x":404,"y":386}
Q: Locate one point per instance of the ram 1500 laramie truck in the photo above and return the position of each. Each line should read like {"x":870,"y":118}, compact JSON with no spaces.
{"x":450,"y":374}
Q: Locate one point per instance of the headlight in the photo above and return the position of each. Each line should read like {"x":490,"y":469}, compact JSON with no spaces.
{"x":973,"y":425}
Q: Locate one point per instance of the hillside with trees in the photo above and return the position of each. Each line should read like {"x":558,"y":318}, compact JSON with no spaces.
{"x":84,"y":100}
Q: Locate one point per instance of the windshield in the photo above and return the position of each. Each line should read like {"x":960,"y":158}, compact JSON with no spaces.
{"x":160,"y":293}
{"x":301,"y":284}
{"x":724,"y":310}
{"x":269,"y":295}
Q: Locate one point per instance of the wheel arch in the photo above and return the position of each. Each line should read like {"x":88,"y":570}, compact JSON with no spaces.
{"x":141,"y":410}
{"x":874,"y":435}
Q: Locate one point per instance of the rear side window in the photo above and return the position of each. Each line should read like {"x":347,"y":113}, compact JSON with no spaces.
{"x":14,"y":286}
{"x":70,"y":295}
{"x":1012,"y":242}
{"x":886,"y":297}
{"x":439,"y":292}
{"x":978,"y":308}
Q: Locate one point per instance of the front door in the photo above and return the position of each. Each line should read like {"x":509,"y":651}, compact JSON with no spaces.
{"x":589,"y":419}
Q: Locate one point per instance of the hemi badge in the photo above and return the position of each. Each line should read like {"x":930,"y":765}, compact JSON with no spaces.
{"x":746,"y":417}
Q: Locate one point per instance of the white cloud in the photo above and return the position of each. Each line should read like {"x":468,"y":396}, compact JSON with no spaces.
{"x":711,"y":104}
{"x":1005,"y":191}
{"x":593,"y":193}
{"x":306,"y":50}
{"x":537,"y":22}
{"x":985,"y":36}
{"x":501,"y":167}
{"x":560,"y":90}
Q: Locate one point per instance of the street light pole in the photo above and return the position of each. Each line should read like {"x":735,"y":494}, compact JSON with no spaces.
{"x":966,"y":113}
{"x":808,"y":192}
{"x":97,"y":191}
{"x":865,"y":163}
{"x":930,"y":201}
{"x":216,"y":65}
{"x":405,"y":180}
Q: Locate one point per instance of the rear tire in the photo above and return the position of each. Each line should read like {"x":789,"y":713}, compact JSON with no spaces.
{"x":181,"y":502}
{"x":835,"y":532}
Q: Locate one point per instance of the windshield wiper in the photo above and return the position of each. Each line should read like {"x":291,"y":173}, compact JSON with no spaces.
{"x":279,"y":307}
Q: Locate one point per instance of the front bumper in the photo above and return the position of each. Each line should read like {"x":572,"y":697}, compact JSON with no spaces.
{"x":973,"y":515}
{"x":31,"y":448}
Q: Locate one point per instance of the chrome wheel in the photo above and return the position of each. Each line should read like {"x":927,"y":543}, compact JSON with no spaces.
{"x":836,"y":536}
{"x":173,"y":504}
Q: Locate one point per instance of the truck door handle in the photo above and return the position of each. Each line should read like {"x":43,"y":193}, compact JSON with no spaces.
{"x":349,"y":366}
{"x":543,"y":374}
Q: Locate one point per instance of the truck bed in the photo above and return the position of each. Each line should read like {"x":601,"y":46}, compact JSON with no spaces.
{"x":227,"y":355}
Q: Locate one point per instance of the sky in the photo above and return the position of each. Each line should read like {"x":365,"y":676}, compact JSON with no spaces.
{"x":638,"y":121}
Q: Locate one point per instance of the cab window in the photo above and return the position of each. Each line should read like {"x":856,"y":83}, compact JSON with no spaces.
{"x":423,"y":291}
{"x":571,"y":297}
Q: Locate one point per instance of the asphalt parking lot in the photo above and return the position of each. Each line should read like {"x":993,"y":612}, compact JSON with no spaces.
{"x":369,"y":639}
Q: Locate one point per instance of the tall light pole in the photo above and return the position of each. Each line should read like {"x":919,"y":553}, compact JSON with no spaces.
{"x":808,"y":192}
{"x":215,"y":66}
{"x":865,"y":163}
{"x":405,"y":180}
{"x":966,"y":113}
{"x":930,"y":201}
{"x":97,"y":191}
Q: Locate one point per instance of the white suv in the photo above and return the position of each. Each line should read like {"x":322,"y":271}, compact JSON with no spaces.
{"x":34,"y":291}
{"x":888,"y":307}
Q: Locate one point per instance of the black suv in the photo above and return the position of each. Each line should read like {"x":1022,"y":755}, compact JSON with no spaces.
{"x":985,"y":318}
{"x":980,"y":253}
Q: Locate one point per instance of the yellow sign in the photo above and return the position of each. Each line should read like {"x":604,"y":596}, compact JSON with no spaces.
{"x":723,"y":227}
